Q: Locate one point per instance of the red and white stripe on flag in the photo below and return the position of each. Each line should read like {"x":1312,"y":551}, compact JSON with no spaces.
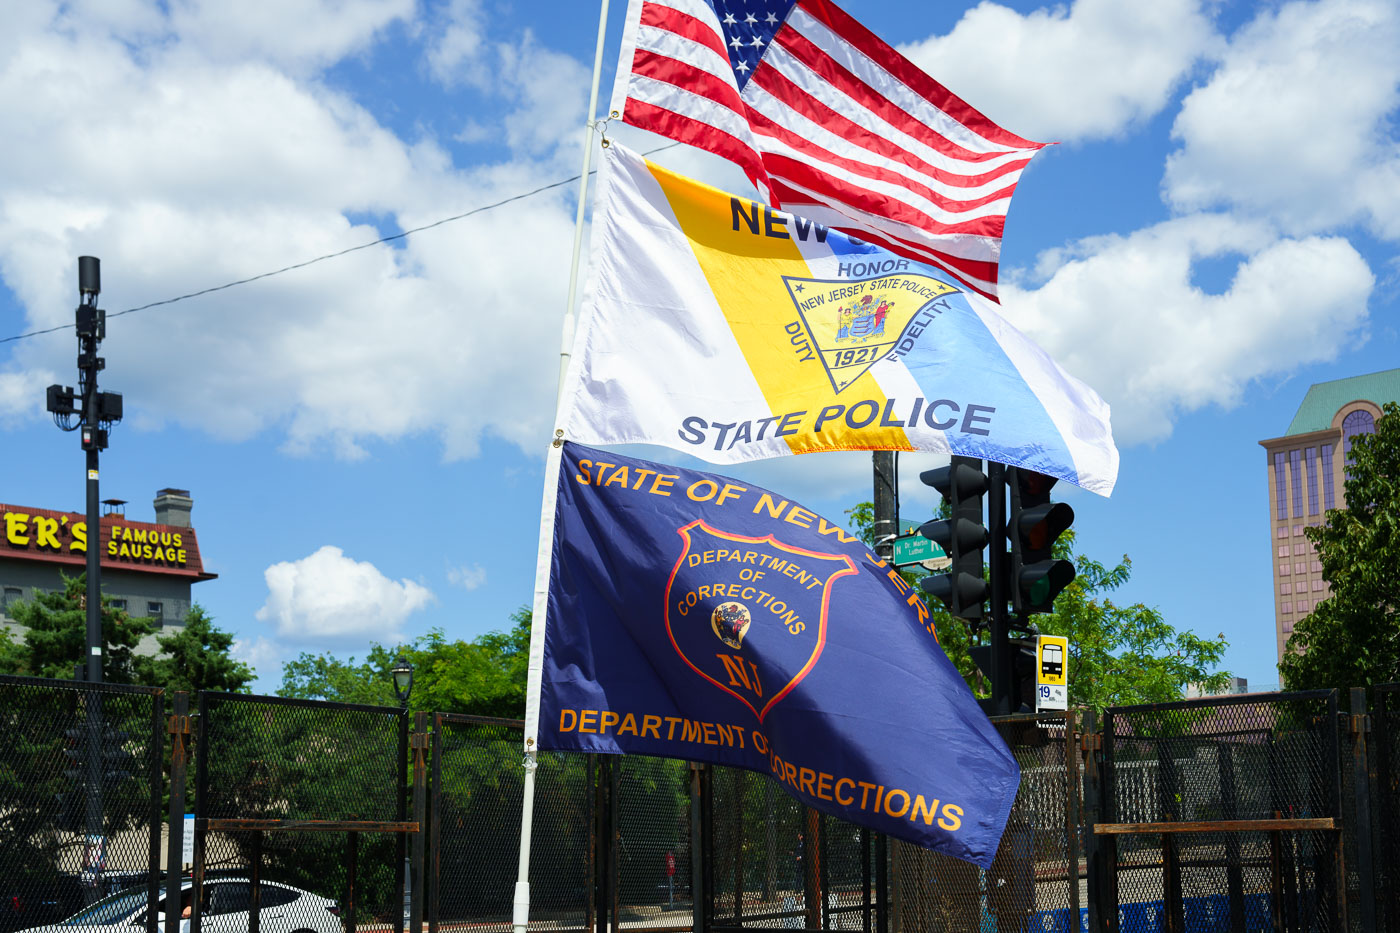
{"x":828,"y":121}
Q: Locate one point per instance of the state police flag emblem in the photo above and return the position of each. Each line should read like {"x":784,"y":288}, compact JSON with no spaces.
{"x":693,"y":616}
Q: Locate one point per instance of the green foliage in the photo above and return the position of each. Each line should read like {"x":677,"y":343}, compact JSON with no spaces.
{"x":43,"y":777}
{"x":484,"y":677}
{"x":1352,"y":638}
{"x":194,"y":658}
{"x":13,"y":655}
{"x":1119,"y":654}
{"x":306,"y":763}
{"x":1125,"y":654}
{"x":57,"y":638}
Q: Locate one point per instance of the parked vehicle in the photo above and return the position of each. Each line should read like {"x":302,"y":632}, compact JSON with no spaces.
{"x":225,"y":908}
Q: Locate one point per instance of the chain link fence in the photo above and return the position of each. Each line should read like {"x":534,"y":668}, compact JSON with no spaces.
{"x":474,"y":847}
{"x":80,"y":799}
{"x":311,"y":800}
{"x":1213,"y":761}
{"x":777,"y":864}
{"x":1035,"y":880}
{"x":283,"y":790}
{"x":1385,"y":763}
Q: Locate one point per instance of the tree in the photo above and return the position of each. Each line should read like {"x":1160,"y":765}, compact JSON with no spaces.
{"x":1119,"y":655}
{"x":13,"y":656}
{"x":195,"y":658}
{"x":57,"y":638}
{"x":1352,"y":638}
{"x":484,"y":677}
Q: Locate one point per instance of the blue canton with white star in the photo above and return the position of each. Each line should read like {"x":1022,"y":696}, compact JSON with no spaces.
{"x":749,"y":25}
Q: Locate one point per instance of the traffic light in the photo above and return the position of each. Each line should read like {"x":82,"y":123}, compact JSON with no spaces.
{"x":118,"y":764}
{"x":1023,"y":660}
{"x":1034,"y":524}
{"x":962,"y":536}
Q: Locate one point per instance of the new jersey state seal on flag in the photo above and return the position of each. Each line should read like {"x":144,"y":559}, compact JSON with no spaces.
{"x":716,"y":325}
{"x":694,"y":616}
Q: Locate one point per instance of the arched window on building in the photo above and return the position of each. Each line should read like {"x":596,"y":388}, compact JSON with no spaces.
{"x":1354,"y":425}
{"x":1358,"y":422}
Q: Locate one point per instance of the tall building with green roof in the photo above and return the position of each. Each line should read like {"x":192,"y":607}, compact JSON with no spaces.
{"x":1306,"y":470}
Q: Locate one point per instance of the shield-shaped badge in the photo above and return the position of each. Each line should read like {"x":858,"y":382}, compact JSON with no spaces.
{"x":853,"y":323}
{"x":749,"y":615}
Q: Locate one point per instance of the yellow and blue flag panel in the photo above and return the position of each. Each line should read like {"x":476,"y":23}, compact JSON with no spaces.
{"x":693,"y":616}
{"x":721,"y":327}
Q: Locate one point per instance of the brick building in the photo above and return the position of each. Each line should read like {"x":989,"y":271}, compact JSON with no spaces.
{"x":147,"y":567}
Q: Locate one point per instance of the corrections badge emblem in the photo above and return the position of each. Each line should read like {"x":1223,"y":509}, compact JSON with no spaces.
{"x":749,"y":615}
{"x":852,"y":323}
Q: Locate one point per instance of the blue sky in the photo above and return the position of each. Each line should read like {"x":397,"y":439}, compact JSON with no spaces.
{"x":363,"y":439}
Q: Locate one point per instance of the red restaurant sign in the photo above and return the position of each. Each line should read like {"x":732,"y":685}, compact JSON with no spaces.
{"x":62,"y":538}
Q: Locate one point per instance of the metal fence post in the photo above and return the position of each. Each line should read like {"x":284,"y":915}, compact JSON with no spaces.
{"x":179,"y":728}
{"x":401,"y":846}
{"x":156,"y":751}
{"x":432,"y":876}
{"x":1339,"y":862}
{"x":255,"y":884}
{"x":1094,"y":856}
{"x":698,"y":850}
{"x":882,"y":883}
{"x":201,"y":803}
{"x":1072,"y":814}
{"x":419,"y":743}
{"x":1362,"y":774}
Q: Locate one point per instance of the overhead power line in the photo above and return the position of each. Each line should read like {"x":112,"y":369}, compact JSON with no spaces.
{"x":337,"y":254}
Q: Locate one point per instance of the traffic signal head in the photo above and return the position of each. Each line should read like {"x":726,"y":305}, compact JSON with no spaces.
{"x":1021,"y":658}
{"x":1034,"y":525}
{"x":962,"y":536}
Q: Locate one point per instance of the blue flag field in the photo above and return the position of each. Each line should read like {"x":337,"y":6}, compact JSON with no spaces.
{"x":693,"y":616}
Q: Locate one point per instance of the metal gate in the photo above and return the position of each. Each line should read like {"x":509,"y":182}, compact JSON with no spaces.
{"x":1223,"y":813}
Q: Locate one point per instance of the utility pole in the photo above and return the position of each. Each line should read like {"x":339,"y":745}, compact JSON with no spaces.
{"x":92,"y":413}
{"x":886,"y":502}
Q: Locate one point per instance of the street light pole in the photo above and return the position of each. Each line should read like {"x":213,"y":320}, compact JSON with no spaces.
{"x":93,"y":413}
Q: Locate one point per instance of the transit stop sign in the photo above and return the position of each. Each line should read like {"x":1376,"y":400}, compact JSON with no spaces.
{"x":1051,"y":672}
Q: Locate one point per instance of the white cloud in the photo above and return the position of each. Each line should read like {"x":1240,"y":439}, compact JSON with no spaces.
{"x":295,"y":34}
{"x":1086,"y":71}
{"x":264,"y":656}
{"x":1297,"y":124}
{"x":180,"y":174}
{"x":327,"y":596}
{"x":457,"y":46}
{"x":1124,"y":314}
{"x":468,"y":578}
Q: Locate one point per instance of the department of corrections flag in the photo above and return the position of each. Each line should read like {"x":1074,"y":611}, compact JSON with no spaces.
{"x":731,"y":331}
{"x":828,"y":121}
{"x":692,"y":616}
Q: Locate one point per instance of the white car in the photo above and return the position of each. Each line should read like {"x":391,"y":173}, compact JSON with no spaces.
{"x":225,"y":909}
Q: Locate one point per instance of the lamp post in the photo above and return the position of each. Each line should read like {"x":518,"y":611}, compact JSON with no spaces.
{"x":402,"y":672}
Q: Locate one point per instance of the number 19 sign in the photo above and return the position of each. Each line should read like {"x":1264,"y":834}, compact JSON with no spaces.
{"x":1051,"y":672}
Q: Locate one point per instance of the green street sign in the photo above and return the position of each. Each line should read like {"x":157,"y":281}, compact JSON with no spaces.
{"x":916,"y":549}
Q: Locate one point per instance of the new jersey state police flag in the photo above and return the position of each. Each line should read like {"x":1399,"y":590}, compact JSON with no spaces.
{"x":718,"y":326}
{"x":693,"y":616}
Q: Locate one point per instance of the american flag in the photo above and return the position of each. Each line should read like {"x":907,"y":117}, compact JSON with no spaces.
{"x":828,"y":121}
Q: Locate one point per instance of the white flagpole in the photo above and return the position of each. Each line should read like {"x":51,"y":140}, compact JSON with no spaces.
{"x":520,"y":917}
